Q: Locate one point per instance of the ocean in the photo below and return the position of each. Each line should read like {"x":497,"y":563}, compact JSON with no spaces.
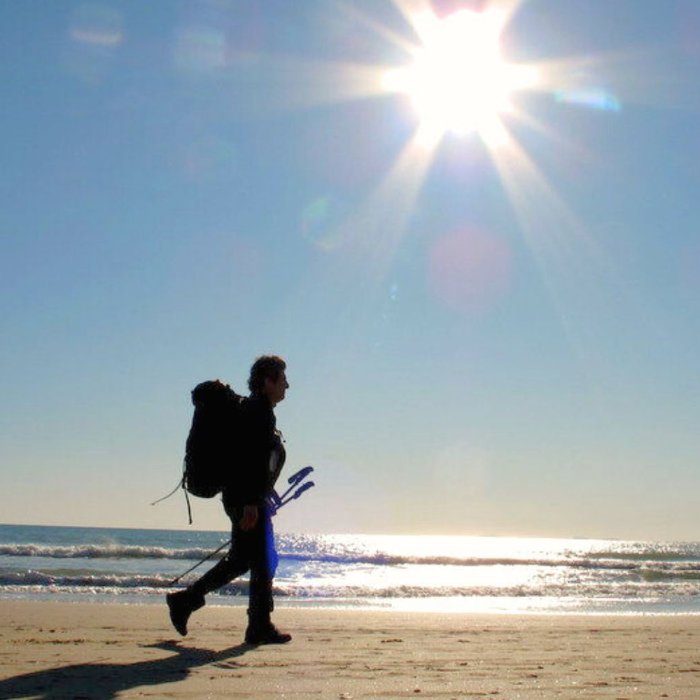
{"x":402,"y":572}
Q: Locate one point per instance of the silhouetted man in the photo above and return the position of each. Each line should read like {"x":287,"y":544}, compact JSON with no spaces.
{"x":262,"y":456}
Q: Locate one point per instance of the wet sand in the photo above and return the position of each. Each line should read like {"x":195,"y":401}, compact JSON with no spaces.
{"x":92,"y":650}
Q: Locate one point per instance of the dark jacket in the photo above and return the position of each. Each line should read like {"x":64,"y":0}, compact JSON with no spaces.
{"x":259,"y":439}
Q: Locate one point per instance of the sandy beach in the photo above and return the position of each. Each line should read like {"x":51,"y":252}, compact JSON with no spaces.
{"x":90,"y":650}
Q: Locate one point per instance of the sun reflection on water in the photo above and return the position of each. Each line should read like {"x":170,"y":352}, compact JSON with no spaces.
{"x":476,"y":574}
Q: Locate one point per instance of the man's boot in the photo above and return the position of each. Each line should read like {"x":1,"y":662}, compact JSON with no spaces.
{"x":262,"y":631}
{"x":182,"y":604}
{"x":260,"y":628}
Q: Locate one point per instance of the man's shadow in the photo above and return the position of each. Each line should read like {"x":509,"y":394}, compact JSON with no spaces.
{"x":102,"y":680}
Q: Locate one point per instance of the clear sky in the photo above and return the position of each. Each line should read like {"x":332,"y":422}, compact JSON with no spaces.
{"x":484,"y":336}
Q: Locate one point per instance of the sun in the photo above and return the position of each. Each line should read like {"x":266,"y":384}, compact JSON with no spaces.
{"x":458,"y":80}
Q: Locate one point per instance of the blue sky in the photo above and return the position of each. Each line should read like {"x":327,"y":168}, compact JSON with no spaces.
{"x":479,"y":341}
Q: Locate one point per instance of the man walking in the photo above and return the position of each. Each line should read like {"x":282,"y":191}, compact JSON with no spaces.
{"x":252,"y":549}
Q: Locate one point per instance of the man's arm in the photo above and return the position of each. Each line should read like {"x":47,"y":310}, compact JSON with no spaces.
{"x":258,"y":429}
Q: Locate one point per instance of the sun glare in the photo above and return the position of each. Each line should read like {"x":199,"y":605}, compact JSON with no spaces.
{"x":458,"y":81}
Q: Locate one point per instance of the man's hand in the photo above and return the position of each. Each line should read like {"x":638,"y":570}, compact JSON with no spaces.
{"x":250,"y":518}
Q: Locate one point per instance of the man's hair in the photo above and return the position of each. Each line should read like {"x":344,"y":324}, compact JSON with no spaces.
{"x":267,"y":366}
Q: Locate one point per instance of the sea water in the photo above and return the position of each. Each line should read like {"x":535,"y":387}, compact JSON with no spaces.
{"x":484,"y":574}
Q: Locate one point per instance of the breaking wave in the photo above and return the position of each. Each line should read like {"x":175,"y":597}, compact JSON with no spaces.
{"x":94,"y":551}
{"x":672,"y":563}
{"x":158,"y":585}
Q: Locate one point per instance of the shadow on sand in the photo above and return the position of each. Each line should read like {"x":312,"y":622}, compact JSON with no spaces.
{"x":104,"y":680}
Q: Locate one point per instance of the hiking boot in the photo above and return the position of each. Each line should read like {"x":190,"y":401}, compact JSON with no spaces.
{"x":181,"y":605}
{"x":268,"y":634}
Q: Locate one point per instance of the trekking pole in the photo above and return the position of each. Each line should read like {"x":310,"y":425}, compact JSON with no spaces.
{"x":199,"y":563}
{"x":275,"y":501}
{"x":295,"y":479}
{"x":297,"y":493}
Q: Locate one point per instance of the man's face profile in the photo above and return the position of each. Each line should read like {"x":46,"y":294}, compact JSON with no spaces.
{"x":275,"y":389}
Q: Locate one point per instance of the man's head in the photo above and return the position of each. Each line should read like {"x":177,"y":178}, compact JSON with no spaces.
{"x":268,"y":378}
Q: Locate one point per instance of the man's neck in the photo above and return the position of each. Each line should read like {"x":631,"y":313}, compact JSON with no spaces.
{"x":263,"y":397}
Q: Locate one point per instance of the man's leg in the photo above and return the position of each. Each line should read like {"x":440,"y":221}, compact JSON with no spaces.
{"x":183,"y":603}
{"x":263,"y":565}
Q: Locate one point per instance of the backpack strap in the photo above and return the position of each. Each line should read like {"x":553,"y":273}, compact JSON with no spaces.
{"x":180,"y":485}
{"x":187,"y":498}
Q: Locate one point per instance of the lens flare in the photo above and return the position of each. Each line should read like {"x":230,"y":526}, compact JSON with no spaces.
{"x":593,"y":99}
{"x":317,"y":223}
{"x":470,"y":271}
{"x":97,"y":25}
{"x":96,"y":34}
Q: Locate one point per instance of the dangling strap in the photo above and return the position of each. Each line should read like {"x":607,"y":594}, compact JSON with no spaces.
{"x":180,"y":484}
{"x":187,"y":498}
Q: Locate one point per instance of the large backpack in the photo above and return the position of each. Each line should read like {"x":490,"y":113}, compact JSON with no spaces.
{"x":211,"y":447}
